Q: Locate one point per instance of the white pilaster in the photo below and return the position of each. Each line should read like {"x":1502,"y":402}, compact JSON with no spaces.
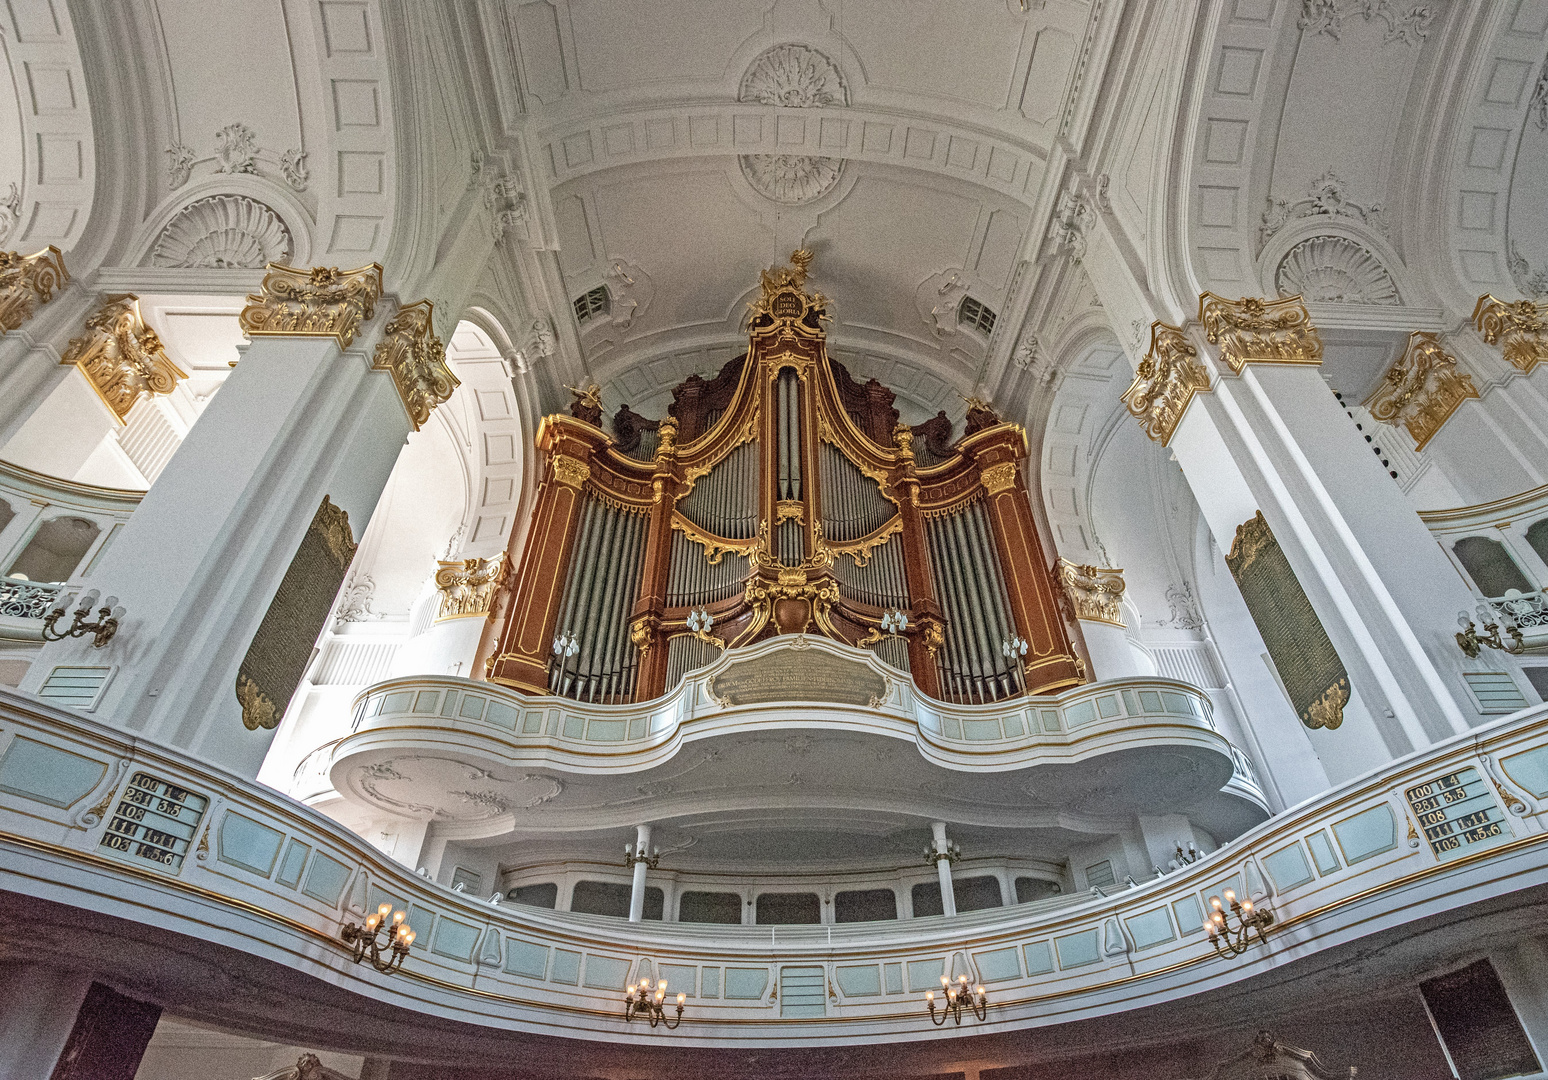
{"x":943,"y":867}
{"x":637,"y":890}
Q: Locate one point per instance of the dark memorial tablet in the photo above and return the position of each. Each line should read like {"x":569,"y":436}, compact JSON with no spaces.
{"x":1457,"y":814}
{"x":1477,"y":1024}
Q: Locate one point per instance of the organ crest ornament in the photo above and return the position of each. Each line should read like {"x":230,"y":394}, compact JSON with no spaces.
{"x":1168,"y":378}
{"x":322,"y":302}
{"x":416,"y":358}
{"x":27,"y":281}
{"x":121,"y":357}
{"x":1422,"y":389}
{"x":1519,"y":328}
{"x":1252,"y":330}
{"x":469,"y":586}
{"x":782,"y":497}
{"x":1095,"y":592}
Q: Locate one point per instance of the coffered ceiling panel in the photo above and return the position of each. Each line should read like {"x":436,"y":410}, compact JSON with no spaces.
{"x":972,"y":51}
{"x":654,"y":41}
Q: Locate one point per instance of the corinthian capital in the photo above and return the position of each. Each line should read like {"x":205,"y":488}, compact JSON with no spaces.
{"x":27,"y":281}
{"x":417,"y":359}
{"x":1422,"y":389}
{"x":1094,"y":591}
{"x":1251,"y":330}
{"x":1168,"y":378}
{"x":468,"y":586}
{"x":1519,"y":328}
{"x":322,"y":302}
{"x":121,"y":357}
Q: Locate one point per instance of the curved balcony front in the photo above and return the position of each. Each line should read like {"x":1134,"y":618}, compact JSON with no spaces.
{"x":857,"y":735}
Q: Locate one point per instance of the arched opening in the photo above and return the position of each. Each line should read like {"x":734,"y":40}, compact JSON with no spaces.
{"x":55,"y":550}
{"x":1490,"y":566}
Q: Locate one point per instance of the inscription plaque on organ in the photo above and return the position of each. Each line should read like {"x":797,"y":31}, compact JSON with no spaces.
{"x":797,"y":675}
{"x":1457,"y":813}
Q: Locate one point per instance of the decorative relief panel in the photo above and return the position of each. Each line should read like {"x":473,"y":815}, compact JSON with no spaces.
{"x":1326,"y":197}
{"x":1335,"y":270}
{"x":322,"y":302}
{"x":1519,"y":328}
{"x":1422,"y":389}
{"x":1168,"y":378}
{"x":469,"y":586}
{"x":793,"y":77}
{"x":1252,"y":330}
{"x":1405,"y":22}
{"x":121,"y":357}
{"x":1095,"y":592}
{"x":223,"y":231}
{"x":791,"y":178}
{"x":417,"y":359}
{"x":27,"y":281}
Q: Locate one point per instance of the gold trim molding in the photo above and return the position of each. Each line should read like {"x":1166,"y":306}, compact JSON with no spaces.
{"x":1422,"y":389}
{"x":1519,"y":328}
{"x":469,"y":586}
{"x":715,"y":547}
{"x":121,"y":357}
{"x":571,"y":471}
{"x":28,"y":281}
{"x":861,"y":550}
{"x":416,"y":358}
{"x":322,"y":302}
{"x":998,"y":478}
{"x":1094,"y":591}
{"x":1168,"y":378}
{"x":1253,"y":330}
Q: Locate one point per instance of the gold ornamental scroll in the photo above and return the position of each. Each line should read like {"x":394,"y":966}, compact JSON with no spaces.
{"x":281,"y":648}
{"x":1308,"y":665}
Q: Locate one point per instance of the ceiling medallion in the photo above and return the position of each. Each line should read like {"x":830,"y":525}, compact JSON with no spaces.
{"x":791,"y":179}
{"x":223,"y":231}
{"x":1334,"y":270}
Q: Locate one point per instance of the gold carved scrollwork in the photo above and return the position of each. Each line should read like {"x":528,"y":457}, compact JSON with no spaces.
{"x":1094,"y":591}
{"x":861,"y":550}
{"x":322,"y":302}
{"x":1422,"y":389}
{"x":666,"y":439}
{"x":642,"y":632}
{"x":1168,"y":378}
{"x":571,"y":471}
{"x":784,"y":299}
{"x":26,"y":281}
{"x":789,"y":508}
{"x":121,"y":357}
{"x":416,"y":358}
{"x":468,"y":586}
{"x":715,"y":547}
{"x":1252,"y":330}
{"x":1519,"y":328}
{"x":934,"y":637}
{"x":1001,"y":477}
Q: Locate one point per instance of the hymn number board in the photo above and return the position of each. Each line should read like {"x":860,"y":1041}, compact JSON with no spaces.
{"x":155,"y":820}
{"x":1457,"y":813}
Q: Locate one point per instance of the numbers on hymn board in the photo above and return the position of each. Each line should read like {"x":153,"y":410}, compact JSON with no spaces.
{"x":155,"y":820}
{"x":1457,"y":812}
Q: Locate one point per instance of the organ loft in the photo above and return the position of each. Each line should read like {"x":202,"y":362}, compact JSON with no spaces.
{"x":782,"y":497}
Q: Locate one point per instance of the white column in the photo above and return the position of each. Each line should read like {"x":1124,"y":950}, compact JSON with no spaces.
{"x":38,"y":1007}
{"x":196,"y":567}
{"x":943,"y":867}
{"x":637,"y":891}
{"x":1112,"y":656}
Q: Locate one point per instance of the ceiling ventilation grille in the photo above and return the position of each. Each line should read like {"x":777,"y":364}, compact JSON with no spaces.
{"x":589,"y":304}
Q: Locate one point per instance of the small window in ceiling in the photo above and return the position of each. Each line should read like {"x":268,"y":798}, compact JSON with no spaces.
{"x":588,"y":304}
{"x":972,"y":313}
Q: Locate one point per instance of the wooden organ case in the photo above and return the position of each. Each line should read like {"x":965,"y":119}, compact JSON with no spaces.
{"x":780,"y":497}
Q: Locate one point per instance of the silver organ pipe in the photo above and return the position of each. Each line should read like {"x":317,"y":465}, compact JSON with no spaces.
{"x":852,"y":503}
{"x":724,"y":502}
{"x":687,"y":653}
{"x":977,"y":607}
{"x":601,"y":590}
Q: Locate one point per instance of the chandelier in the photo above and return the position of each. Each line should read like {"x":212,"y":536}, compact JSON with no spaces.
{"x":367,"y":940}
{"x":1232,"y":940}
{"x":958,"y":996}
{"x":650,"y":1005}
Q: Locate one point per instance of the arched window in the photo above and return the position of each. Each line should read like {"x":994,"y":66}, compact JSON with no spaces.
{"x":55,"y":550}
{"x":1537,"y":536}
{"x":6,"y":513}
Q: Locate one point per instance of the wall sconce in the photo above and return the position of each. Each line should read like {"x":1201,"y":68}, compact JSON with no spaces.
{"x":1013,"y":649}
{"x":1232,"y":941}
{"x":957,"y":996}
{"x":636,"y":853}
{"x":951,"y":854}
{"x":566,"y":645}
{"x":1469,"y":639}
{"x":367,"y":940}
{"x":894,"y":621}
{"x":102,"y":630}
{"x":640,"y":1001}
{"x":699,"y":622}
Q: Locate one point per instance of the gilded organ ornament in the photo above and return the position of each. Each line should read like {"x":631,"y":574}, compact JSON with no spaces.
{"x":1095,"y":592}
{"x":416,"y":358}
{"x":1519,"y":328}
{"x":1422,"y":389}
{"x":469,"y":586}
{"x":1168,"y":378}
{"x":322,"y":302}
{"x":27,"y":281}
{"x":1253,"y":330}
{"x":121,"y":357}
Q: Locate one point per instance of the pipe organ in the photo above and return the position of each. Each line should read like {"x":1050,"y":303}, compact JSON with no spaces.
{"x":781,"y":497}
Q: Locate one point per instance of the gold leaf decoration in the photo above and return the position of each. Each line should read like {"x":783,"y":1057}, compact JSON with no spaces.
{"x":121,"y":357}
{"x":322,"y":302}
{"x":1422,"y":389}
{"x":1168,"y":378}
{"x":1252,"y":330}
{"x":416,"y":358}
{"x":26,"y":281}
{"x":1519,"y":328}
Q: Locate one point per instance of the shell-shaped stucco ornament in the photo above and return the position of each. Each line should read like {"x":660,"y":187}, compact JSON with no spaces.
{"x":791,"y":179}
{"x":1335,"y":270}
{"x":223,"y":231}
{"x":794,"y":77}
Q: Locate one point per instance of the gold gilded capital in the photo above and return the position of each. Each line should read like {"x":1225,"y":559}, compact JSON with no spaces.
{"x":1252,"y":330}
{"x":1519,"y":328}
{"x":571,"y":471}
{"x":1001,"y":477}
{"x":26,"y":281}
{"x":322,"y":302}
{"x":469,"y":586}
{"x":1094,"y":591}
{"x":121,"y":357}
{"x":1422,"y":389}
{"x":642,"y":632}
{"x":417,"y":359}
{"x":1168,"y":378}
